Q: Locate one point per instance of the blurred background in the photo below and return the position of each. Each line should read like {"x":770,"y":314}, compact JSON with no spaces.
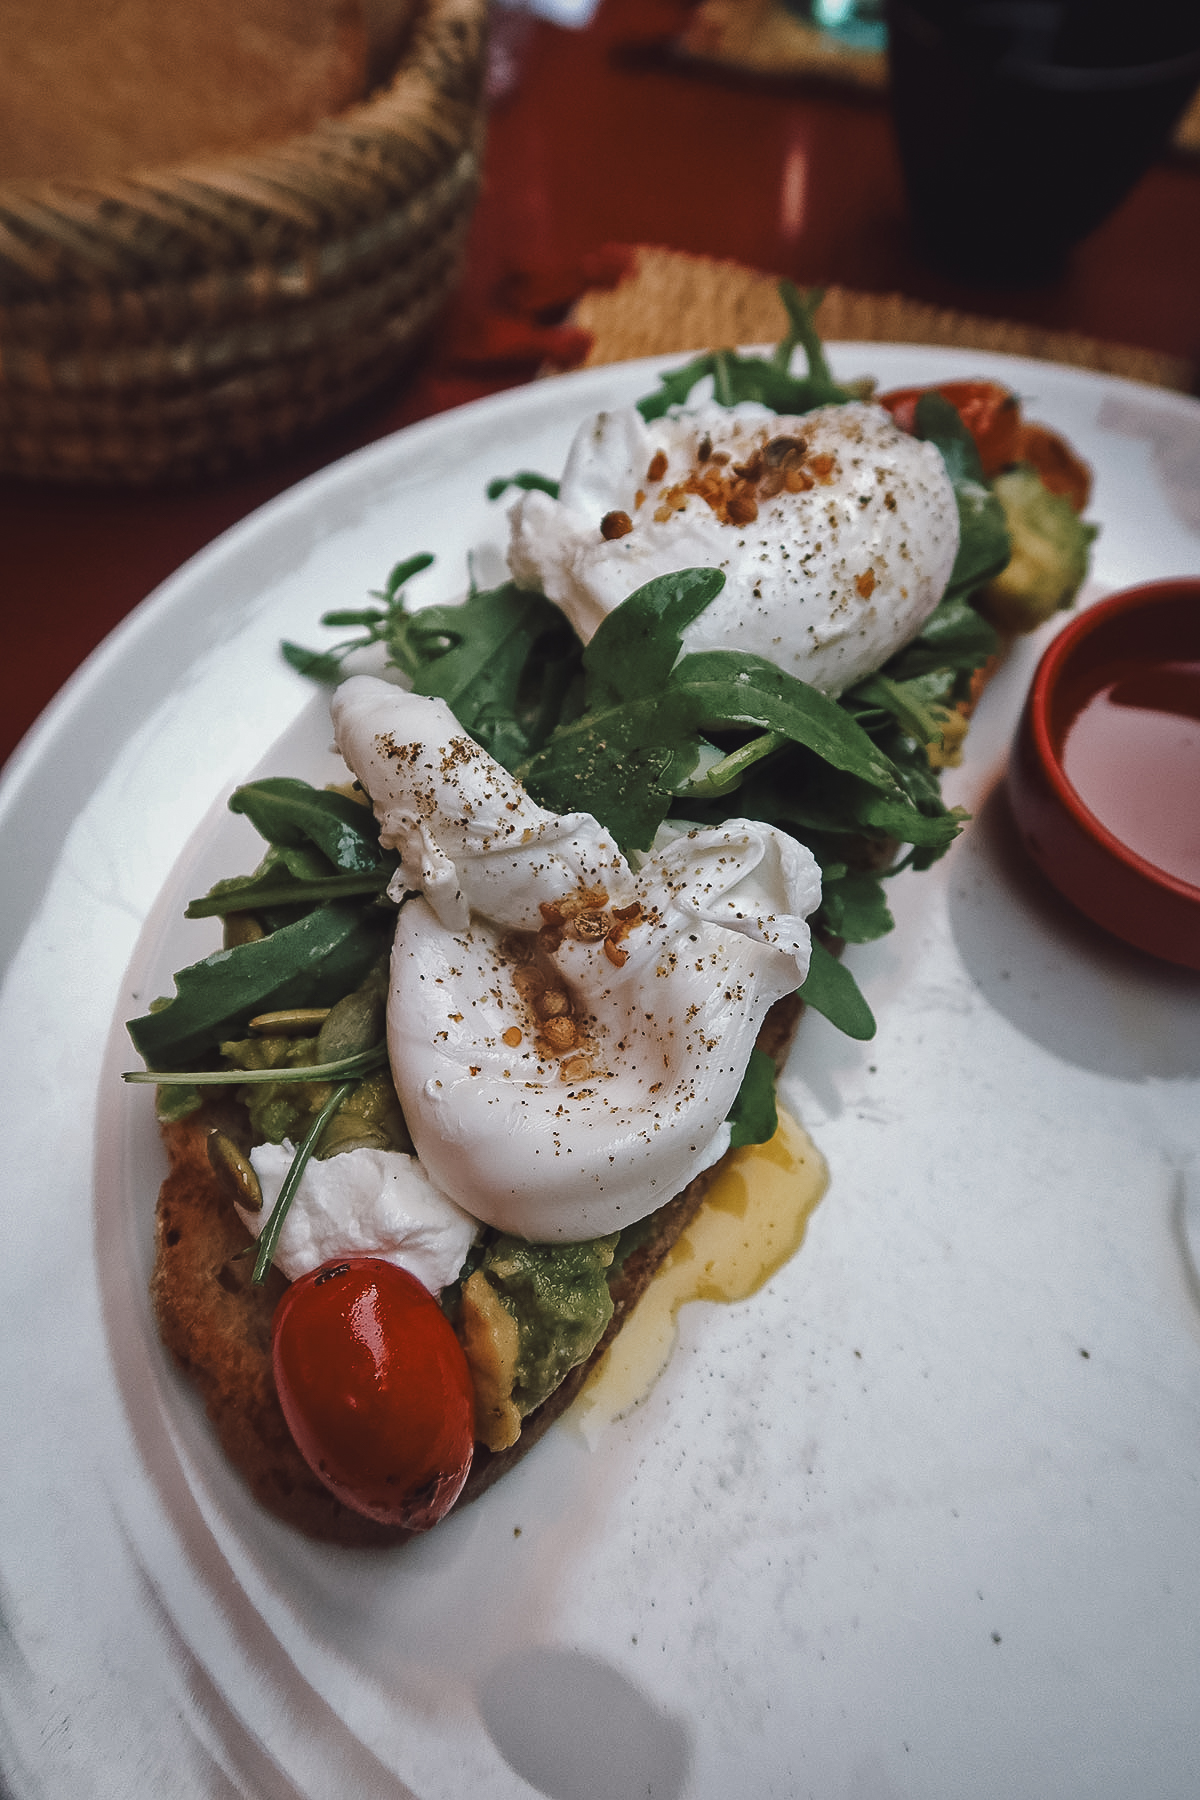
{"x":341,"y":216}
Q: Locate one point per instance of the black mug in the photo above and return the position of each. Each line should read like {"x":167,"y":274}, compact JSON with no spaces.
{"x":1023,"y":123}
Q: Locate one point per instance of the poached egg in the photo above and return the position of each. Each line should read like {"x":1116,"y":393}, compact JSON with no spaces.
{"x":836,"y":531}
{"x":567,"y":1036}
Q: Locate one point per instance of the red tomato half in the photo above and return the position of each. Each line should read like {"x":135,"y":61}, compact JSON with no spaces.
{"x":990,"y":413}
{"x":376,"y":1390}
{"x":1060,"y":469}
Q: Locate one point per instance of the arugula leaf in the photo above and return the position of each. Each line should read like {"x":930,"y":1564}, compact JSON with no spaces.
{"x":984,"y":545}
{"x":819,"y":387}
{"x":736,"y":378}
{"x":754,"y":1115}
{"x":732,"y":687}
{"x":526,"y":479}
{"x":675,"y":386}
{"x":831,"y":990}
{"x":647,"y":719}
{"x":312,"y":962}
{"x":623,"y":764}
{"x":637,"y":645}
{"x":326,"y":665}
{"x":642,"y":730}
{"x":504,"y":661}
{"x":635,"y":742}
{"x":293,"y":814}
{"x":402,"y":573}
{"x":918,"y":683}
{"x":906,"y":701}
{"x":318,"y":665}
{"x":807,"y":795}
{"x":278,"y":887}
{"x":954,"y":637}
{"x":853,"y":906}
{"x":806,"y":799}
{"x":930,"y":826}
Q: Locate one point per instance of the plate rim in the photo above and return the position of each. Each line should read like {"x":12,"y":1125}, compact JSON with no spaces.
{"x":78,"y":694}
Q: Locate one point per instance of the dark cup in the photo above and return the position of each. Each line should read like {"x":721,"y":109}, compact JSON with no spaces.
{"x":1023,"y":124}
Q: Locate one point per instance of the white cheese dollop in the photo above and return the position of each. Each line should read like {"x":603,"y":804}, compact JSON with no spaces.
{"x":363,"y":1203}
{"x":836,"y":531}
{"x":566,"y":1036}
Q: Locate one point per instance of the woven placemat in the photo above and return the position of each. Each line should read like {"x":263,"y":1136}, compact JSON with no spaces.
{"x":670,"y":301}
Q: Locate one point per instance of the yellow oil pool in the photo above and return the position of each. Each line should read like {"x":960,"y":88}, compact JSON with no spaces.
{"x":753,"y":1220}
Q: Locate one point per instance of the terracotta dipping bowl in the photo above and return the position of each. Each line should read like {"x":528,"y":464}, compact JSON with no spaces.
{"x":1104,"y":777}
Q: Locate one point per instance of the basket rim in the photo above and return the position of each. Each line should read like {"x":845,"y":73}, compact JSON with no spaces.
{"x":78,"y":233}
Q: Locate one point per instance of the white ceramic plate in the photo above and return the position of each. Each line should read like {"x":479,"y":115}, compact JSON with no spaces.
{"x":919,"y":1520}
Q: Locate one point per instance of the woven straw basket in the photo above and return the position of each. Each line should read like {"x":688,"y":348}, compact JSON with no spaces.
{"x":181,"y":321}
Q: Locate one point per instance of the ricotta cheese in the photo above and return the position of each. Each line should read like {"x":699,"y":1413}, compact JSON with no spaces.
{"x":836,"y":531}
{"x":363,"y":1203}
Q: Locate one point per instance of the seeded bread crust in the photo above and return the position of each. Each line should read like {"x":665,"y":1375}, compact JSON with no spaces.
{"x":217,"y":1325}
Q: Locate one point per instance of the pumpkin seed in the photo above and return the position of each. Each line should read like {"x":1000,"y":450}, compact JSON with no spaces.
{"x":295,"y":1021}
{"x":234,"y":1171}
{"x":355,"y":1023}
{"x":241,"y":928}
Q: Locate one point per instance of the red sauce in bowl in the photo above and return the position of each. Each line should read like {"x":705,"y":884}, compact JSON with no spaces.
{"x":1132,"y":754}
{"x":1104,"y":779}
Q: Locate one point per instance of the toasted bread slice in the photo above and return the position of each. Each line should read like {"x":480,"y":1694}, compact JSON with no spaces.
{"x":218,"y":1325}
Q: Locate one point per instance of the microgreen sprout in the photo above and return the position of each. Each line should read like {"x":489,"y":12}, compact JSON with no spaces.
{"x":364,"y":1062}
{"x":304,"y":1151}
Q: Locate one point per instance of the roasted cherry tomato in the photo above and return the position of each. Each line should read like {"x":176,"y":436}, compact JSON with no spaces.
{"x":375,"y":1389}
{"x":993,"y":417}
{"x":1060,"y":469}
{"x":990,"y":413}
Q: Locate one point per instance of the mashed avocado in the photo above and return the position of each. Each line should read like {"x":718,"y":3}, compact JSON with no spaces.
{"x":370,"y":1117}
{"x":278,"y":1110}
{"x":1049,"y":560}
{"x":526,"y":1315}
{"x":558,"y":1294}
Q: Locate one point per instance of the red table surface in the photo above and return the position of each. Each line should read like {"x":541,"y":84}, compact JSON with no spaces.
{"x":601,"y":140}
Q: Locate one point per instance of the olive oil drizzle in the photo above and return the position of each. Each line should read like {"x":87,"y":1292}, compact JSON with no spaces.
{"x":753,"y":1221}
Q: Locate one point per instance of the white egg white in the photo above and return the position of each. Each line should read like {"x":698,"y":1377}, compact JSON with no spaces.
{"x":853,"y":533}
{"x":665,"y":974}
